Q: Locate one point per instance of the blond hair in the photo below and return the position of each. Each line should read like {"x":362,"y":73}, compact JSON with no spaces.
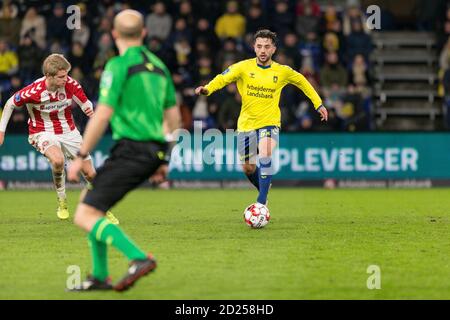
{"x":54,"y":63}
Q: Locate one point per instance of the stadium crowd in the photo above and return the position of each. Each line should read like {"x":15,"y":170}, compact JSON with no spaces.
{"x":197,"y":39}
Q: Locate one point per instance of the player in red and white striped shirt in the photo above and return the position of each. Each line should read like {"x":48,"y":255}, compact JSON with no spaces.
{"x":51,"y":127}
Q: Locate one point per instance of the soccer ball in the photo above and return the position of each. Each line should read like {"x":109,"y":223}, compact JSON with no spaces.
{"x":256,"y":215}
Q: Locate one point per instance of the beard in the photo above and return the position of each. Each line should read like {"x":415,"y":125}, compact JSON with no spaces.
{"x":264,"y":59}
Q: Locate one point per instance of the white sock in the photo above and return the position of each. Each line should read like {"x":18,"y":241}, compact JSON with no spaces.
{"x":59,"y":180}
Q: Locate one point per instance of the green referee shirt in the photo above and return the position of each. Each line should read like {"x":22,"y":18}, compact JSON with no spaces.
{"x":138,"y":86}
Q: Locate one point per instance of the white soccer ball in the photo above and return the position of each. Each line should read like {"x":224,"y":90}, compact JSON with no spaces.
{"x":256,"y":215}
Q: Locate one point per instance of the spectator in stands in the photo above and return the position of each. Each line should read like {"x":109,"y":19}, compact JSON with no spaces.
{"x":443,"y":29}
{"x":444,"y":64}
{"x":204,"y":32}
{"x":333,"y":97}
{"x":444,"y":56}
{"x":82,"y":35}
{"x":289,"y":102}
{"x":255,"y":19}
{"x":230,"y":109}
{"x":18,"y":122}
{"x":282,"y":19}
{"x":105,"y":51}
{"x":78,"y":58}
{"x":159,"y":22}
{"x":333,"y":73}
{"x":9,"y":62}
{"x":307,"y":70}
{"x":358,"y":42}
{"x":310,"y":50}
{"x":307,"y":5}
{"x":185,"y":12}
{"x":360,"y":84}
{"x":291,"y":48}
{"x":205,"y":69}
{"x":359,"y":72}
{"x":105,"y":26}
{"x":352,"y":15}
{"x":109,"y":11}
{"x":231,"y":24}
{"x":57,"y":47}
{"x":307,"y":18}
{"x":164,"y":52}
{"x":34,"y":26}
{"x":229,"y":52}
{"x":91,"y":83}
{"x":331,"y":44}
{"x":57,"y":25}
{"x":30,"y":58}
{"x":9,"y":22}
{"x":180,"y":31}
{"x":200,"y":111}
{"x":202,"y":49}
{"x":330,"y":20}
{"x":352,"y":112}
{"x":427,"y":13}
{"x":8,"y":10}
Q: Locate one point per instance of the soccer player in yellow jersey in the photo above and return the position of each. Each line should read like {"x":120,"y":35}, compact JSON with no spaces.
{"x":260,"y":81}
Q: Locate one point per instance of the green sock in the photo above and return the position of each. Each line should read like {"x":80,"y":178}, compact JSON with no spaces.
{"x":108,"y":233}
{"x":99,"y":252}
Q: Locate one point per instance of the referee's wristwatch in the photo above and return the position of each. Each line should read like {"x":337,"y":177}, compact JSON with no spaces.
{"x":83,"y":156}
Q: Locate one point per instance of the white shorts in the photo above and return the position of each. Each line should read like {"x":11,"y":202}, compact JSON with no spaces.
{"x":69,"y":143}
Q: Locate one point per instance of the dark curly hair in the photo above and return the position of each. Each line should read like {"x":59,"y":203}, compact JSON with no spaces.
{"x":265,"y":33}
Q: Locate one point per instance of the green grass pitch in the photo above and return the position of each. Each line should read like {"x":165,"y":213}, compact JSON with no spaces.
{"x":318,"y":245}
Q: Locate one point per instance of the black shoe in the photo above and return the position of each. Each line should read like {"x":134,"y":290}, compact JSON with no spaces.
{"x":92,"y":283}
{"x":136,"y":270}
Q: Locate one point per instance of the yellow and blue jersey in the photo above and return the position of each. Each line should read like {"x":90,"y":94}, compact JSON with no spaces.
{"x":260,"y":88}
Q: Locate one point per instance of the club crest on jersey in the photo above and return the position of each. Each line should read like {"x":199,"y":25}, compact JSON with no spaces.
{"x":275,"y":79}
{"x":61,"y":96}
{"x":17,"y":97}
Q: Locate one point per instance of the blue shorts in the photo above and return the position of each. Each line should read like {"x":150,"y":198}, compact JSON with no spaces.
{"x":248,"y":141}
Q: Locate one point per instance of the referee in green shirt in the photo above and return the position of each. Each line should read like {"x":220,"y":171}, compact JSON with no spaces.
{"x":136,"y":95}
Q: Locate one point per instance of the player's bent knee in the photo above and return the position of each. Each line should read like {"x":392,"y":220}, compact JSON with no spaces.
{"x":87,"y":216}
{"x":57,"y":163}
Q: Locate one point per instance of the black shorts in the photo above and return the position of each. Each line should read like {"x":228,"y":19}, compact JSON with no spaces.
{"x":130,"y":164}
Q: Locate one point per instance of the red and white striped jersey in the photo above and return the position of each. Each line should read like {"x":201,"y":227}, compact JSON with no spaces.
{"x":50,"y":112}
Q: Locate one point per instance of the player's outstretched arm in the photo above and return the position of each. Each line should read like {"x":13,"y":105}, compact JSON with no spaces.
{"x":323,"y":113}
{"x":303,"y":84}
{"x":231,"y":74}
{"x":6,"y":114}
